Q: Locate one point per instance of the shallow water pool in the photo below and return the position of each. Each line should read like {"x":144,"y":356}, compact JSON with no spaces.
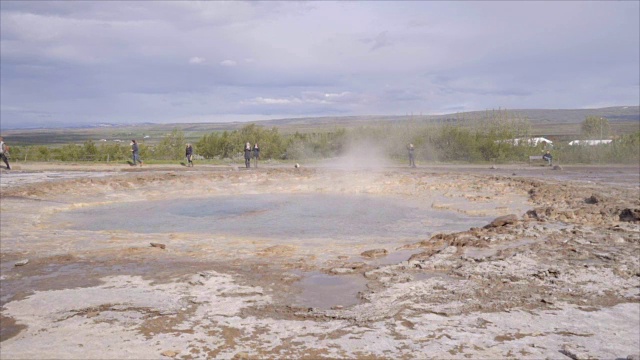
{"x":275,"y":216}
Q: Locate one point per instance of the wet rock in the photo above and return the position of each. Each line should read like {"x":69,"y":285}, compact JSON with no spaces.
{"x":356,"y":265}
{"x":502,"y":221}
{"x":575,"y":354}
{"x":424,"y":255}
{"x":22,"y":262}
{"x":339,"y":271}
{"x":543,"y":274}
{"x":546,"y":300}
{"x":278,"y":250}
{"x":158,"y":245}
{"x":375,"y":253}
{"x":290,"y":278}
{"x":630,"y":215}
{"x":604,"y":256}
{"x":411,"y":246}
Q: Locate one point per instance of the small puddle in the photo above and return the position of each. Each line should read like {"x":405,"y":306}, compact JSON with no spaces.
{"x":324,"y":291}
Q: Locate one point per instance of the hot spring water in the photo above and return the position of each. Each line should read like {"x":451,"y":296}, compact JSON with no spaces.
{"x":300,"y":219}
{"x":284,"y":217}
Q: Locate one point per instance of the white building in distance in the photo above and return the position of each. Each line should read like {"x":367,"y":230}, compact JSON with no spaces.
{"x":589,"y":142}
{"x":528,"y":141}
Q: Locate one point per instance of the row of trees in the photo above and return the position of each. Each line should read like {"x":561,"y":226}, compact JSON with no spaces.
{"x":476,"y":141}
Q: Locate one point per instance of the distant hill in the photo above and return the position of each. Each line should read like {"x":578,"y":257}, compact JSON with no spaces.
{"x":567,"y":116}
{"x":616,"y":113}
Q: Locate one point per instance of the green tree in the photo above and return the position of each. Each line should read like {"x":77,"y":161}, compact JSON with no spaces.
{"x":171,"y":147}
{"x":90,"y":151}
{"x":594,"y":127}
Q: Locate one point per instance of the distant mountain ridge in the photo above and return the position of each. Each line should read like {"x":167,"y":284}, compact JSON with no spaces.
{"x":615,"y":113}
{"x":535,"y":116}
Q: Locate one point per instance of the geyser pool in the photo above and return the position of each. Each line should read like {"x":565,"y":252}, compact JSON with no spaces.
{"x":281,"y":216}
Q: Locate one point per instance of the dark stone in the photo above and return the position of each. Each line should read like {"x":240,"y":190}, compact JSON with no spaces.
{"x":630,"y":215}
{"x":502,"y":221}
{"x":593,"y":199}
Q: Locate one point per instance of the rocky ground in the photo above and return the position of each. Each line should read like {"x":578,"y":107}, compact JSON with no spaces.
{"x":555,"y":275}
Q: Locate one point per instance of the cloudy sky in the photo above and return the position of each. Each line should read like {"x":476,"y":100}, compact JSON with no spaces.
{"x":84,"y":62}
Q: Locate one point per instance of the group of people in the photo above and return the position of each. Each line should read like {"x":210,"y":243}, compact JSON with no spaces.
{"x":249,"y":152}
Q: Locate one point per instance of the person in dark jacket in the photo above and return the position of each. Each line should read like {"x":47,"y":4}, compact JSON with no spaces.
{"x":4,"y":150}
{"x":547,"y":157}
{"x":189,"y":154}
{"x":256,"y":154}
{"x":247,"y":155}
{"x":135,"y":153}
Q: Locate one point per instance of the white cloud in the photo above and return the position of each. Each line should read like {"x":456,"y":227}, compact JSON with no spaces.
{"x":273,"y":101}
{"x":229,"y":63}
{"x":196,"y":60}
{"x":375,"y":58}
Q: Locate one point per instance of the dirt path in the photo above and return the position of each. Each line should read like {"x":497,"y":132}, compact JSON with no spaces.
{"x":557,"y":275}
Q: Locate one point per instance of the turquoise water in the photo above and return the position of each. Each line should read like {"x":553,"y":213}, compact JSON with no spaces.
{"x":275,"y":216}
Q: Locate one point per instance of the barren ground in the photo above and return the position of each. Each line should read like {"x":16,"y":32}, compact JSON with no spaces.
{"x":560,"y":278}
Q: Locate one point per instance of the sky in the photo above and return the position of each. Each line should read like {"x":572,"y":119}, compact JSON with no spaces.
{"x":66,"y":63}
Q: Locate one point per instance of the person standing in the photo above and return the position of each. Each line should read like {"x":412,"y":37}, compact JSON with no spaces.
{"x":135,"y":152}
{"x":547,"y":156}
{"x":412,"y":159}
{"x":256,"y":154}
{"x":247,"y":155}
{"x":189,"y":155}
{"x":4,"y":150}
